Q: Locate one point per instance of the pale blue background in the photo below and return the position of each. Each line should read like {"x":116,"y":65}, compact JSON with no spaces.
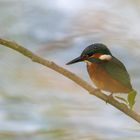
{"x":37,"y":103}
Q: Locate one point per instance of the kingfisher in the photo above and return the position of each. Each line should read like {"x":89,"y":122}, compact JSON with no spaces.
{"x":106,"y":71}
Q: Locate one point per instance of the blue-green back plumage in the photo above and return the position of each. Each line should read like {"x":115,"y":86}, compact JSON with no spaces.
{"x":117,"y":70}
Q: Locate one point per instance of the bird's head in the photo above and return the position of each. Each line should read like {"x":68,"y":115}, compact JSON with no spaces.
{"x":94,"y":53}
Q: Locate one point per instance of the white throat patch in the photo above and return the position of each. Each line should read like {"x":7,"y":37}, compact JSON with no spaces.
{"x":105,"y":57}
{"x":88,"y":63}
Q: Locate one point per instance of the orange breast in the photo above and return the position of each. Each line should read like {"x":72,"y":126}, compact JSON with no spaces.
{"x":103,"y":80}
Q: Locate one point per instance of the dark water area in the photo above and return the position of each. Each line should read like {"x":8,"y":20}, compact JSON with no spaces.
{"x":34,"y":104}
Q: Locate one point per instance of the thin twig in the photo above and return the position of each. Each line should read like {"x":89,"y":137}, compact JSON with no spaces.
{"x":122,"y":107}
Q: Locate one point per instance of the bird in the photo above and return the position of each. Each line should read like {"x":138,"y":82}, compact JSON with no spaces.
{"x":106,"y":71}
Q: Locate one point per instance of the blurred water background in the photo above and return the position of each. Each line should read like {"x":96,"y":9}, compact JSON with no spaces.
{"x":37,"y":103}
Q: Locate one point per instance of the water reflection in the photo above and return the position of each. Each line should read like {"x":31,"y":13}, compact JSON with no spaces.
{"x":34,"y":104}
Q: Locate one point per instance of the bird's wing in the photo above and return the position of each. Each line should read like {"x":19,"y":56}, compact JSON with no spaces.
{"x":118,"y":71}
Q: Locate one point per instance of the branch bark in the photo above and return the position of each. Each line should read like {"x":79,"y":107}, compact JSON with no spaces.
{"x":120,"y":106}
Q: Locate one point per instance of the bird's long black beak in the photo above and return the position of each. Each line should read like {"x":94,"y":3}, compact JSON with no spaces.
{"x":78,"y":59}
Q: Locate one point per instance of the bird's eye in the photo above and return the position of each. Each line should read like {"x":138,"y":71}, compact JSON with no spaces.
{"x":86,"y":56}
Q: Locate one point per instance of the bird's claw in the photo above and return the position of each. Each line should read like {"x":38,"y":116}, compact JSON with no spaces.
{"x":97,"y":90}
{"x":109,"y":97}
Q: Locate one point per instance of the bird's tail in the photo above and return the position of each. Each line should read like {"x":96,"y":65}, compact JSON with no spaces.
{"x":131,"y":98}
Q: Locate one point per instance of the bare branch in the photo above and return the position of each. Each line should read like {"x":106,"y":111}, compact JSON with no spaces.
{"x":120,"y":106}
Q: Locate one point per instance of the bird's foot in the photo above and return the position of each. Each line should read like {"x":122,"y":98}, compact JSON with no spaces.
{"x":122,"y":99}
{"x":109,"y":97}
{"x":97,"y":90}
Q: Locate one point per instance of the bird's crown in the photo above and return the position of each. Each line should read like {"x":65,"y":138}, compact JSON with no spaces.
{"x":96,"y":48}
